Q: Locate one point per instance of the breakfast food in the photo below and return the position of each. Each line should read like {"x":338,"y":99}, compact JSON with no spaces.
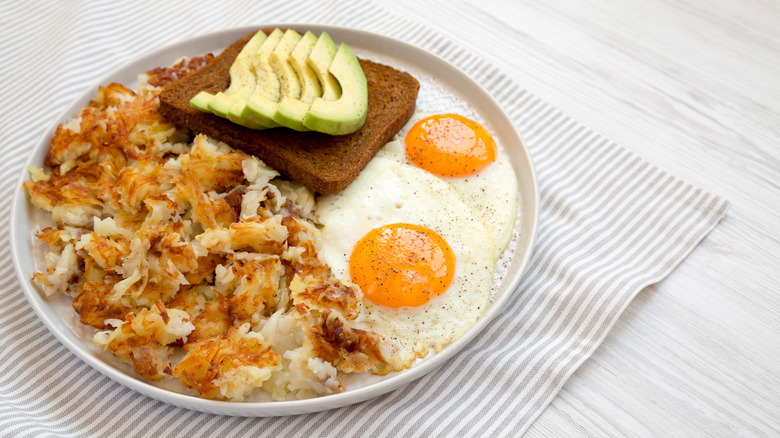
{"x":275,"y":81}
{"x":491,"y":191}
{"x":169,"y":243}
{"x":388,"y":193}
{"x":199,"y":263}
{"x":321,"y":162}
{"x":464,"y":191}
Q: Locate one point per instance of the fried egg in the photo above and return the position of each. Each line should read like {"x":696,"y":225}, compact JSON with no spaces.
{"x":422,"y":257}
{"x":420,"y":229}
{"x":462,"y":153}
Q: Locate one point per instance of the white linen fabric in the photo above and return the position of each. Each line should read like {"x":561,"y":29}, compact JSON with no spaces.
{"x":610,"y":225}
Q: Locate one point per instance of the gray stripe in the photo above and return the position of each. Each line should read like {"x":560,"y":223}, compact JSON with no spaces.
{"x":602,"y":328}
{"x":492,"y":374}
{"x":608,"y":300}
{"x":481,"y":378}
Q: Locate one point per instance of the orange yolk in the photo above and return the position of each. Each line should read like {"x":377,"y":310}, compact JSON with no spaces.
{"x":450,"y":145}
{"x":402,"y":265}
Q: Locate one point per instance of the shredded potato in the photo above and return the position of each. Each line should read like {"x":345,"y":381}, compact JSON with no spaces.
{"x":173,"y":243}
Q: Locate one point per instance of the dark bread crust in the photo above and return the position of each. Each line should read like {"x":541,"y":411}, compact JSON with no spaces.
{"x":323,"y":163}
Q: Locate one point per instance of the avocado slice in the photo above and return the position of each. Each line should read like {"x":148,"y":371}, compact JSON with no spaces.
{"x":201,"y":101}
{"x":242,"y":81}
{"x":261,"y":106}
{"x":290,"y":85}
{"x":220,"y":104}
{"x":310,"y":85}
{"x":347,"y":114}
{"x":319,"y":61}
{"x":292,"y":110}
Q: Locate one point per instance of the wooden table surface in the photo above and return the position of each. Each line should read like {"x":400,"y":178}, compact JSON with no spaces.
{"x":693,"y":86}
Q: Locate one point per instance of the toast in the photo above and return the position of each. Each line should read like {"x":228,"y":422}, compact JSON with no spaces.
{"x":321,"y":162}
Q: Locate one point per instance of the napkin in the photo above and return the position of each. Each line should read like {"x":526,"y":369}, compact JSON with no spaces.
{"x":610,"y":225}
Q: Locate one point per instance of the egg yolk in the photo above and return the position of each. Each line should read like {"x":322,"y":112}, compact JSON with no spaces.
{"x":450,"y":145}
{"x":402,"y":265}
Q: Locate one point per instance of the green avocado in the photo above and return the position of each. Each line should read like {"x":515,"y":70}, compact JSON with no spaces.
{"x":220,"y":104}
{"x":261,"y":106}
{"x":320,"y":58}
{"x":201,"y":101}
{"x":347,"y":114}
{"x":300,"y":84}
{"x":289,"y":84}
{"x":242,"y":81}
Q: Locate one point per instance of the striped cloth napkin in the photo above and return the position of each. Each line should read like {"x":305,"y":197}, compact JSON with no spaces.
{"x":610,"y":225}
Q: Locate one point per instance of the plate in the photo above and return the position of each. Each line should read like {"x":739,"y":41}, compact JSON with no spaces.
{"x":440,"y":81}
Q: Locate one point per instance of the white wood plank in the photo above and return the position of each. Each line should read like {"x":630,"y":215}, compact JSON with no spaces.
{"x":694,"y":87}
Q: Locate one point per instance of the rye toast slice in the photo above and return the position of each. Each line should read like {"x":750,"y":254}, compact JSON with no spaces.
{"x":321,"y":162}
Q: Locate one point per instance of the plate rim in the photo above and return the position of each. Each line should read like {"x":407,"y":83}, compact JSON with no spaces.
{"x":37,"y":301}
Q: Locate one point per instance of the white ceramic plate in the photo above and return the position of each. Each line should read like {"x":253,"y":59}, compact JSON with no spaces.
{"x":442,"y":84}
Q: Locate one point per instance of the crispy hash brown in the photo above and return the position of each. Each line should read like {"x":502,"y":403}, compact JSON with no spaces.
{"x":173,"y":245}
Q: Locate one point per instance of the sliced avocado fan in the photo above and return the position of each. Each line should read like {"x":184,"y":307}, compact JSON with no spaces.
{"x":242,"y":84}
{"x":261,"y":106}
{"x":347,"y":114}
{"x":320,"y":58}
{"x":299,"y":82}
{"x":294,"y":108}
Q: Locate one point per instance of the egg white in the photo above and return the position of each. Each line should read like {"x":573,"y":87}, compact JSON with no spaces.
{"x":492,"y":193}
{"x":386,"y":192}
